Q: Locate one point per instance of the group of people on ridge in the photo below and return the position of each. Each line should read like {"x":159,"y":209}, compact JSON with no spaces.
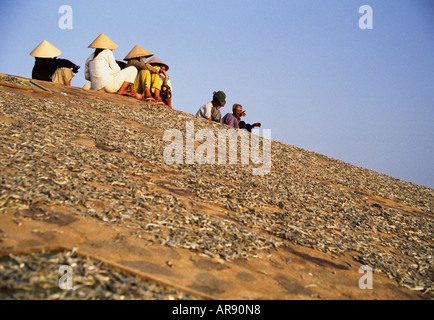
{"x":211,"y":111}
{"x":141,"y":79}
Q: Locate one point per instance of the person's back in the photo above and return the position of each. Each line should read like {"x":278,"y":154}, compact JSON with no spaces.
{"x":48,"y":68}
{"x":44,"y":68}
{"x":105,"y":73}
{"x":211,"y":110}
{"x":230,"y":120}
{"x":100,"y":67}
{"x":205,"y":111}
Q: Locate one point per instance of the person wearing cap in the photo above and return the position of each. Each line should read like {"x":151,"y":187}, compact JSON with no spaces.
{"x":104,"y":72}
{"x":147,"y":81}
{"x":166,"y":85}
{"x":211,"y":110}
{"x":48,"y":68}
{"x":233,"y":119}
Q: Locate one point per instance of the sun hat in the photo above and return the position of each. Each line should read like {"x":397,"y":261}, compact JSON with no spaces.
{"x":103,"y":42}
{"x":220,"y":96}
{"x":45,"y":50}
{"x":138,"y":52}
{"x":154,"y":60}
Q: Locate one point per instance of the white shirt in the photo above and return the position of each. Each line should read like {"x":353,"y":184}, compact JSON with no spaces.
{"x":163,"y":78}
{"x":101,"y":70}
{"x":205,"y":111}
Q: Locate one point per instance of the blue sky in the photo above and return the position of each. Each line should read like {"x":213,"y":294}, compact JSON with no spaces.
{"x":303,"y":68}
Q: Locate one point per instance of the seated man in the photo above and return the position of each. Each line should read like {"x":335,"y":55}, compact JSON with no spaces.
{"x":233,"y":119}
{"x":48,"y":68}
{"x":147,"y":82}
{"x":211,"y":110}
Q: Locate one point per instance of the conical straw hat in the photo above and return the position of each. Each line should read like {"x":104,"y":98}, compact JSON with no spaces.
{"x":103,"y":42}
{"x":154,"y":60}
{"x":138,"y":52}
{"x":45,"y":50}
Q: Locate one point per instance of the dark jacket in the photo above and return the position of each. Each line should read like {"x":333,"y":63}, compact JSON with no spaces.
{"x":216,"y":115}
{"x":246,"y":126}
{"x":45,"y":67}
